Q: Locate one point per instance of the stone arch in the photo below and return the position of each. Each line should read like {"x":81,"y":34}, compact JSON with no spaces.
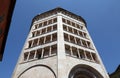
{"x":84,"y":71}
{"x":49,"y":70}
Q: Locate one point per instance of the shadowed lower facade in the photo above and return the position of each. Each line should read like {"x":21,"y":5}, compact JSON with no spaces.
{"x":59,"y":46}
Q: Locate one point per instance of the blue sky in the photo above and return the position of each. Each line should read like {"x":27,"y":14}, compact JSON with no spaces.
{"x":103,"y":23}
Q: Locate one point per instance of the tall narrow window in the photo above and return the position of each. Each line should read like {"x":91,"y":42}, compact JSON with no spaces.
{"x":45,"y":23}
{"x":48,"y":38}
{"x":41,"y":41}
{"x":78,"y":26}
{"x":55,"y":27}
{"x":38,"y":33}
{"x":70,"y":29}
{"x":78,"y":41}
{"x":80,"y":33}
{"x":84,"y":35}
{"x":95,"y":57}
{"x":46,"y":51}
{"x":40,"y":25}
{"x":35,"y":42}
{"x":67,"y":49}
{"x":33,"y":34}
{"x":54,"y":36}
{"x":49,"y":29}
{"x":72,"y":39}
{"x":75,"y":53}
{"x":31,"y":56}
{"x":68,"y":22}
{"x":82,"y":55}
{"x":65,"y":27}
{"x":54,"y":20}
{"x":36,"y":26}
{"x":54,"y":49}
{"x":75,"y":31}
{"x":66,"y":37}
{"x":39,"y":54}
{"x":50,"y":22}
{"x":43,"y":30}
{"x":25,"y":56}
{"x":88,"y":55}
{"x":30,"y":44}
{"x":63,"y":20}
{"x":73,"y":24}
{"x":84,"y":43}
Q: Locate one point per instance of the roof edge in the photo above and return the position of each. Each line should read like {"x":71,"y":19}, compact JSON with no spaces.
{"x":56,"y":10}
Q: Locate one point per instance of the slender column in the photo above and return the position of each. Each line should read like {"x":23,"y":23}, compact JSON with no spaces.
{"x":44,"y":39}
{"x":71,"y":51}
{"x":35,"y":34}
{"x":69,"y":37}
{"x":75,"y":40}
{"x":46,"y":30}
{"x":32,"y":43}
{"x":86,"y":44}
{"x":42,"y":24}
{"x":91,"y":56}
{"x":41,"y":31}
{"x":91,"y":46}
{"x":35,"y":27}
{"x":52,"y":21}
{"x":38,"y":41}
{"x":81,"y":42}
{"x":67,"y":28}
{"x":35,"y":54}
{"x":78,"y":32}
{"x":78,"y":52}
{"x":32,"y":35}
{"x":51,"y":37}
{"x":83,"y":34}
{"x":85,"y":55}
{"x":72,"y":30}
{"x":51,"y":28}
{"x":42,"y":55}
{"x":28,"y":56}
{"x":50,"y":51}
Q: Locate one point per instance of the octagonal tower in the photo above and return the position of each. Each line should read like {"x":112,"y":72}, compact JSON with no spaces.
{"x":59,"y":46}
